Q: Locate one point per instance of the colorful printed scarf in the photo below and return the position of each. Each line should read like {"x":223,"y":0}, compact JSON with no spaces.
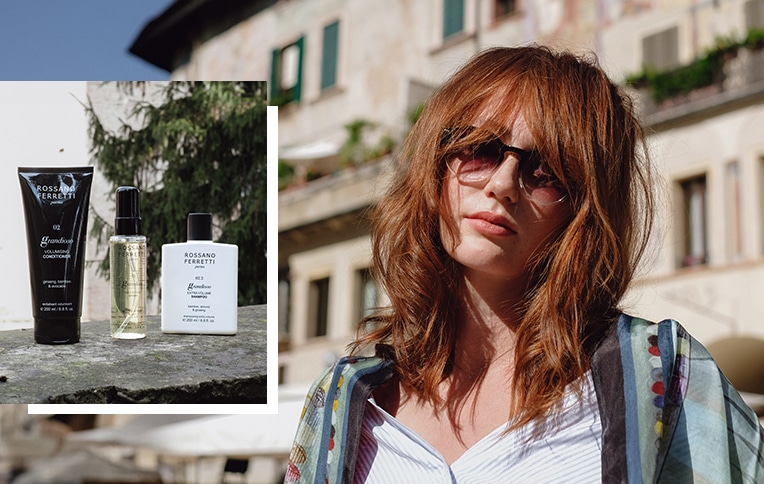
{"x":668,"y":413}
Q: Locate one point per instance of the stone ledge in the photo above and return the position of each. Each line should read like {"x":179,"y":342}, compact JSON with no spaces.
{"x":161,"y":368}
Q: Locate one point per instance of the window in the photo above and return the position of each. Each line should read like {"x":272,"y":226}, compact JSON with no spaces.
{"x":760,"y":182}
{"x":283,"y":303}
{"x":695,"y":221}
{"x":367,"y":293}
{"x":661,"y":50}
{"x":733,"y":215}
{"x":453,"y":17}
{"x":502,"y":8}
{"x":318,"y":308}
{"x":286,"y":73}
{"x":329,"y":55}
{"x":754,"y":14}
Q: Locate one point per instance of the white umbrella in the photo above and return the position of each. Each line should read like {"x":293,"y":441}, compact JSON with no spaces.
{"x":215,"y":435}
{"x":134,"y":426}
{"x":741,"y":358}
{"x":83,"y":466}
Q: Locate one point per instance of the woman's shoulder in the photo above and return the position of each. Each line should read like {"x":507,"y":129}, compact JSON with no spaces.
{"x":663,"y":336}
{"x":340,"y":390}
{"x":636,"y":324}
{"x":347,"y":371}
{"x":658,"y":371}
{"x":350,"y":365}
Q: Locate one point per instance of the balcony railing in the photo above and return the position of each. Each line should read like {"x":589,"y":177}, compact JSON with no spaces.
{"x":723,"y":78}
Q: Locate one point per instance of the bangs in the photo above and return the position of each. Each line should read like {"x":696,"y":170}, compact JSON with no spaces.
{"x":491,"y":96}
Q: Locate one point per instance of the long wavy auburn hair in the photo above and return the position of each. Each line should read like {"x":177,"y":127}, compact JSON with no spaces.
{"x":586,"y":131}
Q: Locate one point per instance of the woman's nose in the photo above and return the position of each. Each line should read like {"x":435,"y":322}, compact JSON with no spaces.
{"x":503,"y":183}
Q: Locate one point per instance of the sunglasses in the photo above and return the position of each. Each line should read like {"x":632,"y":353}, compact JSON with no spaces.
{"x":476,"y":163}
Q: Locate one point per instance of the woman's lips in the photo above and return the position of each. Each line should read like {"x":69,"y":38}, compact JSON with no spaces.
{"x":491,"y":224}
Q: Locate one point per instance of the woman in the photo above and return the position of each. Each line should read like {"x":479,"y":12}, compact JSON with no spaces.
{"x":521,"y":207}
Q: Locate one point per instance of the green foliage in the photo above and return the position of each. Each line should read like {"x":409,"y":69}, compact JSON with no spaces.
{"x":286,"y":174}
{"x":414,"y":113}
{"x":355,"y":150}
{"x":281,"y":99}
{"x":754,"y":38}
{"x":201,"y":149}
{"x":703,"y":71}
{"x":663,"y":85}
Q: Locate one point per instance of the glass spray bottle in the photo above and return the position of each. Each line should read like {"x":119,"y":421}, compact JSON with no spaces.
{"x":128,"y":268}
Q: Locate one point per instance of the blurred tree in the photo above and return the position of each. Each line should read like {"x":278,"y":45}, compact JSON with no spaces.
{"x":202,"y":148}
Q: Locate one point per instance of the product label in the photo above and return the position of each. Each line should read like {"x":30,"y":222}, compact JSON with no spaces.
{"x":56,"y":192}
{"x":199,"y":313}
{"x":132,"y":250}
{"x":199,"y":259}
{"x":199,"y":288}
{"x":56,"y":283}
{"x":128,"y":288}
{"x":53,"y":307}
{"x":56,"y":248}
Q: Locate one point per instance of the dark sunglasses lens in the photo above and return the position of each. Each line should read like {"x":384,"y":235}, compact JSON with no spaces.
{"x":533,"y":172}
{"x":488,"y":152}
{"x":539,"y":181}
{"x":477,"y":162}
{"x":486,"y":157}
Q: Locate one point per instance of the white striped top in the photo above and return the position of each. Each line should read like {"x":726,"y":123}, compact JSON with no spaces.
{"x":571,"y":452}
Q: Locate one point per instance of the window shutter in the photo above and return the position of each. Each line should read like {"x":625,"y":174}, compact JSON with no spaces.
{"x":754,"y":14}
{"x":329,"y":55}
{"x":453,"y":17}
{"x":661,"y":50}
{"x":298,"y":86}
{"x":274,"y":87}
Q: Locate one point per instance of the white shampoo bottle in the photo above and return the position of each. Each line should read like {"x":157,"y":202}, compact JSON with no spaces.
{"x":199,"y":282}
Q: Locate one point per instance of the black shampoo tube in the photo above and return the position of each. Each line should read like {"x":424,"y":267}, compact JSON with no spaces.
{"x":56,"y":204}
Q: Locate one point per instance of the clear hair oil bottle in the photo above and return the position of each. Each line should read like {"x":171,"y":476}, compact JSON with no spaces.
{"x":128,"y":268}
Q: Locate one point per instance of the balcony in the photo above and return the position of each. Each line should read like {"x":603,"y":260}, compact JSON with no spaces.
{"x":723,"y":80}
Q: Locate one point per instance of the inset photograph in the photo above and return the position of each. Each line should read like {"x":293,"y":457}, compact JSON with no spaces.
{"x":135,"y":242}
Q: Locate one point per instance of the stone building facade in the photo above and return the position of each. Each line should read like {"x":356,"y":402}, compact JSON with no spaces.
{"x":335,"y":64}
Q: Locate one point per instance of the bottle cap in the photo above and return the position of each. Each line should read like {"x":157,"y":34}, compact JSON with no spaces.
{"x":128,"y":220}
{"x":199,"y":226}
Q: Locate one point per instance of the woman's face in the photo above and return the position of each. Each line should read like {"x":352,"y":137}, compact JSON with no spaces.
{"x":498,"y":226}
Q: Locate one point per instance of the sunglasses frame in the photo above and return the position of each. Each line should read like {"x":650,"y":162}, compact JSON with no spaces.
{"x":503,"y":148}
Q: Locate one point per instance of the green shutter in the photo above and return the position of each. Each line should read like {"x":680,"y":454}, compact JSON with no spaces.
{"x":279,"y":95}
{"x":453,"y":17}
{"x":298,"y":87}
{"x":274,"y":87}
{"x":329,"y":55}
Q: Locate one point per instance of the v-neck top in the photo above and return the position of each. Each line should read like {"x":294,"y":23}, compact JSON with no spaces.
{"x":569,"y":451}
